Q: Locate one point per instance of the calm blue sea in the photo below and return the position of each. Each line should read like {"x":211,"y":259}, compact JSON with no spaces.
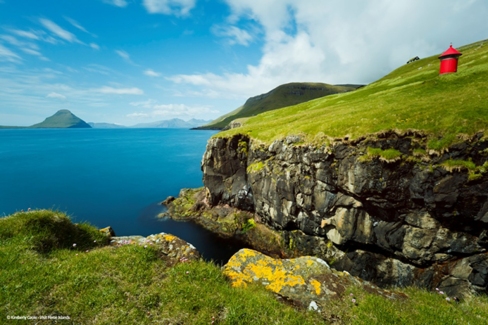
{"x":108,"y":177}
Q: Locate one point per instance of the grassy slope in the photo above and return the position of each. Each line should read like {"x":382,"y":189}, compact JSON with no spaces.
{"x":42,"y":274}
{"x":62,"y":119}
{"x":413,"y":96}
{"x":281,"y":96}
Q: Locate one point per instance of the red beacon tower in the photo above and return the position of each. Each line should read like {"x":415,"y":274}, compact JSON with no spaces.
{"x":449,"y":60}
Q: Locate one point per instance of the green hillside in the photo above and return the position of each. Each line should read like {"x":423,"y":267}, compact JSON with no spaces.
{"x":413,"y":97}
{"x":62,"y":119}
{"x":281,"y":96}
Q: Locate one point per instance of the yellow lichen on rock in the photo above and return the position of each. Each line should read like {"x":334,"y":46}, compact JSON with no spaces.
{"x":316,"y":285}
{"x":246,"y":253}
{"x":238,"y":280}
{"x":304,"y":280}
{"x":249,"y":266}
{"x":169,"y":237}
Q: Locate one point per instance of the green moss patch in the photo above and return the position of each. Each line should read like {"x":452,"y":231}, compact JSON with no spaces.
{"x":474,"y":172}
{"x":388,"y":155}
{"x":255,"y":167}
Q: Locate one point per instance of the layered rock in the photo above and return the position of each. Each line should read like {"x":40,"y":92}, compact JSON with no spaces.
{"x":402,"y":214}
{"x":245,"y":229}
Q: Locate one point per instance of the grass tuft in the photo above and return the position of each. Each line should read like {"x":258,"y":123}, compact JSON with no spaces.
{"x":388,"y":155}
{"x":474,"y":172}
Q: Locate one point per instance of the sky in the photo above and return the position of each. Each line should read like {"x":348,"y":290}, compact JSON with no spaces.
{"x":139,"y":61}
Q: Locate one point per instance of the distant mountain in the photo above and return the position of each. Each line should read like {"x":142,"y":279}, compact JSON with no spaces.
{"x":105,"y":125}
{"x":175,"y":123}
{"x":282,"y":96}
{"x":62,"y":119}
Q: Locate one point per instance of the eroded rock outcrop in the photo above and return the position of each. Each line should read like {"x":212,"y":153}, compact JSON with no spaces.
{"x":172,"y":248}
{"x":402,"y":214}
{"x":246,"y":228}
{"x":307,"y":281}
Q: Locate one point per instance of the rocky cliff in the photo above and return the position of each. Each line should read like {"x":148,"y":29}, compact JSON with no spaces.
{"x":401,"y":214}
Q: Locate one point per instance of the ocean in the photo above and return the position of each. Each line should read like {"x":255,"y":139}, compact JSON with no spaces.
{"x":107,"y":177}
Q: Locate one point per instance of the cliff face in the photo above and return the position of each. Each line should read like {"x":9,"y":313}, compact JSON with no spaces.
{"x":402,"y":215}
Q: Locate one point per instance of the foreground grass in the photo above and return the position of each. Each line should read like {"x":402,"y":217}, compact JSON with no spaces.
{"x":43,"y":274}
{"x":413,"y":97}
{"x":97,"y":284}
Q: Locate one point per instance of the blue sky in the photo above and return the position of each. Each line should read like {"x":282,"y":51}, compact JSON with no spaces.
{"x":137,"y":61}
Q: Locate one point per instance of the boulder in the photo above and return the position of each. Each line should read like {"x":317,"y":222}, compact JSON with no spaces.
{"x":307,"y":280}
{"x":108,"y":231}
{"x":173,"y":248}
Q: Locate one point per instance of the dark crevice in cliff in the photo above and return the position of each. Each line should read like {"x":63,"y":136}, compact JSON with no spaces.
{"x":291,"y":226}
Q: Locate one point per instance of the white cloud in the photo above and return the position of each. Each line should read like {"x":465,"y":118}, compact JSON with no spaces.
{"x":56,"y":95}
{"x":58,"y":31}
{"x":235,"y":34}
{"x":94,"y":46}
{"x":137,"y":115}
{"x":169,"y":7}
{"x":151,"y":73}
{"x":12,"y":40}
{"x":8,"y":55}
{"x":26,"y":47}
{"x":120,"y":91}
{"x":118,"y":3}
{"x":78,"y":25}
{"x":182,"y":111}
{"x":124,"y":55}
{"x":144,"y":104}
{"x":153,"y":110}
{"x":26,"y":34}
{"x":337,"y":42}
{"x":295,"y":59}
{"x":100,"y":69}
{"x":31,"y":51}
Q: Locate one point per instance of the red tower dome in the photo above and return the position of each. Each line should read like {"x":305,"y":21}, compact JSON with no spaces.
{"x":449,"y":60}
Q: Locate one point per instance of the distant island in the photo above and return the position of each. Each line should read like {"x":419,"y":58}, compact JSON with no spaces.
{"x":65,"y":119}
{"x":102,"y":125}
{"x":174,"y":123}
{"x":62,"y":119}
